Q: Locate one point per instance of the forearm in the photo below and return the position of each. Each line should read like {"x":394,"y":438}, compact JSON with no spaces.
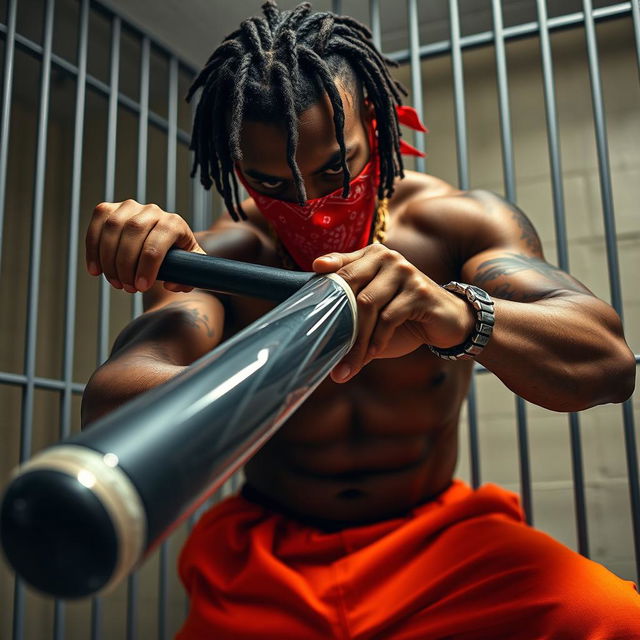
{"x":119,"y":380}
{"x":565,"y":353}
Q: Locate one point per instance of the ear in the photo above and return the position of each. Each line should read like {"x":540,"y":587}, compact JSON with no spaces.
{"x":368,"y":111}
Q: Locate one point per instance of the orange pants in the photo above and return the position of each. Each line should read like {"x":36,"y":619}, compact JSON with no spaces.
{"x":464,"y":566}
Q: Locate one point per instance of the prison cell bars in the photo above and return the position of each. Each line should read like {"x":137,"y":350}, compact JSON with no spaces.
{"x":542,"y":28}
{"x":202,"y":205}
{"x":562,"y":251}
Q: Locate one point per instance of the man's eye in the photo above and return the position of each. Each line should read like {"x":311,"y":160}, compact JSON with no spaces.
{"x":334,"y":171}
{"x":276,"y":184}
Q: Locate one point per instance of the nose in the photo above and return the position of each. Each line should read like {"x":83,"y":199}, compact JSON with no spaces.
{"x":314,"y":189}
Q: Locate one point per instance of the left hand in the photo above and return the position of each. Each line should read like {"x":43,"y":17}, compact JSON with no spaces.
{"x":399,"y":307}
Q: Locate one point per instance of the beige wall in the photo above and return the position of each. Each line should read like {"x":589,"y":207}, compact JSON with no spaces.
{"x":607,"y":493}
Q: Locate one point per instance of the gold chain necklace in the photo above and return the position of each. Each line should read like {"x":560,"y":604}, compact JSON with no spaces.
{"x":378,"y":234}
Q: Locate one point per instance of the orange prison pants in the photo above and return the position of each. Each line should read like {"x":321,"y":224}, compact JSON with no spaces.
{"x":464,"y":566}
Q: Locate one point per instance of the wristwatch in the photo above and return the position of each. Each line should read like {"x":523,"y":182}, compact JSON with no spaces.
{"x":482,"y":304}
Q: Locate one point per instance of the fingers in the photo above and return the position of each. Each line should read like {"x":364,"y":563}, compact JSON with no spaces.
{"x":128,"y":241}
{"x":376,"y":276}
{"x":372,"y":300}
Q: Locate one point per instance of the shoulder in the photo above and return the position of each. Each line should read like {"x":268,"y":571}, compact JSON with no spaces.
{"x":471,"y":221}
{"x":248,"y":240}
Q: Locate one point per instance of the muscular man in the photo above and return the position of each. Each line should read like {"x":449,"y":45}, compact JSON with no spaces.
{"x":351,"y":524}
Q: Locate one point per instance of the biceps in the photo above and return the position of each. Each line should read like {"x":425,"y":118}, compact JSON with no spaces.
{"x":512,"y":275}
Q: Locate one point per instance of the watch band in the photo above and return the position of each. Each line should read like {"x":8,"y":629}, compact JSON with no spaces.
{"x":483,"y":305}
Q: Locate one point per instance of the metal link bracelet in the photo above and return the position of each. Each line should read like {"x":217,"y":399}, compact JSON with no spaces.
{"x":485,"y":319}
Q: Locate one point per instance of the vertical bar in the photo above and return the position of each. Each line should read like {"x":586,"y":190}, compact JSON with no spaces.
{"x":416,"y":78}
{"x":9,"y":51}
{"x":635,"y":12}
{"x":141,"y":195}
{"x":474,"y":446}
{"x":579,"y":489}
{"x":563,"y":257}
{"x":463,"y":180}
{"x":458,"y":93}
{"x":110,"y":179}
{"x":523,"y":460}
{"x":503,"y":104}
{"x":172,"y":139}
{"x":374,"y":18}
{"x":510,"y":191}
{"x":336,"y":6}
{"x":109,"y":193}
{"x":72,"y":258}
{"x":197,"y":190}
{"x":28,"y":393}
{"x":606,"y":194}
{"x":143,"y":133}
{"x":552,"y":137}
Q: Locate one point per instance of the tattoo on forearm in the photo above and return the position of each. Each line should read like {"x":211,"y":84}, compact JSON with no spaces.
{"x":511,"y":263}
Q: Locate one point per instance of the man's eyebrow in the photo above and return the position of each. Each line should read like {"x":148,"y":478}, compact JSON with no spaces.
{"x":266,"y":177}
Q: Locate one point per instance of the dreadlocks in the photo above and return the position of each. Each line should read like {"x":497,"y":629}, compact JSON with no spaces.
{"x":273,"y":68}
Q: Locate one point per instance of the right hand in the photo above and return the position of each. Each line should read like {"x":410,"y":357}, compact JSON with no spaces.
{"x":127,"y":241}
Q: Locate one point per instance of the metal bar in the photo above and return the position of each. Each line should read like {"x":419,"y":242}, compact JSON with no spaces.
{"x":403,"y":56}
{"x":336,"y":6}
{"x":374,"y":18}
{"x":474,"y":445}
{"x":416,"y":78}
{"x":463,"y":179}
{"x":74,"y":223}
{"x":635,"y":11}
{"x":603,"y":161}
{"x":634,"y":481}
{"x":163,"y":583}
{"x":523,"y":459}
{"x":606,"y":194}
{"x":109,"y":193}
{"x":39,"y":383}
{"x":9,"y":52}
{"x":143,"y":143}
{"x":563,"y":257}
{"x":141,"y":195}
{"x":35,"y":49}
{"x":110,"y":180}
{"x":579,"y":487}
{"x":72,"y":258}
{"x":510,"y":191}
{"x":503,"y":104}
{"x":28,"y":392}
{"x":458,"y":94}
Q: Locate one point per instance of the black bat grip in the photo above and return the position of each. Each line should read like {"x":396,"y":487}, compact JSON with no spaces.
{"x":231,"y":276}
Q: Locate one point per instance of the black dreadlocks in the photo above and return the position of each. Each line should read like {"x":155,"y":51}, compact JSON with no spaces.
{"x":273,"y":68}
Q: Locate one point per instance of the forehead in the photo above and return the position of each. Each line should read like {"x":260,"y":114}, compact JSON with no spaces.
{"x":265,"y":144}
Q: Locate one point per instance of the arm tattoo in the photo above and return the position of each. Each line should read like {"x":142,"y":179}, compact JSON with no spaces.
{"x":194,"y":317}
{"x":553,"y":279}
{"x":528,"y":233}
{"x":494,"y":203}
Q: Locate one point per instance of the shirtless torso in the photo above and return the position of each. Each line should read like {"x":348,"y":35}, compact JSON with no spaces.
{"x":387,"y":439}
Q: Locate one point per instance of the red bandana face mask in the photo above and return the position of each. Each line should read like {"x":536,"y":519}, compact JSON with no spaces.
{"x":329,"y":223}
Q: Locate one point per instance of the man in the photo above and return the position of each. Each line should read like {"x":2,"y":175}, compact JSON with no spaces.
{"x":350,"y":524}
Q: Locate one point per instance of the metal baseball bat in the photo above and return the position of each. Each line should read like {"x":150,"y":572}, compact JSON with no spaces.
{"x":81,"y":515}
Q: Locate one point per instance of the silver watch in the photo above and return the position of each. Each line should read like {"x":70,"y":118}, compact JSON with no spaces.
{"x":482,"y":304}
